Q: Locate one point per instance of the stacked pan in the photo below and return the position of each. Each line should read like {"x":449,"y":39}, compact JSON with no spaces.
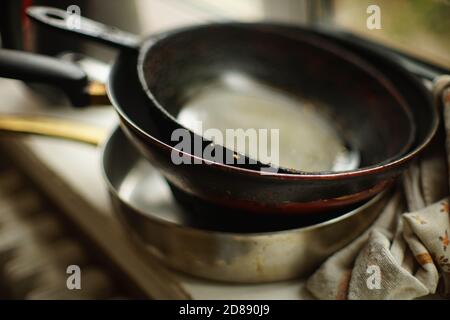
{"x":357,"y":119}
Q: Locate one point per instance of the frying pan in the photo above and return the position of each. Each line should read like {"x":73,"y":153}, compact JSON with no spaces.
{"x":73,"y":81}
{"x":245,"y":189}
{"x":359,"y":101}
{"x":198,"y":244}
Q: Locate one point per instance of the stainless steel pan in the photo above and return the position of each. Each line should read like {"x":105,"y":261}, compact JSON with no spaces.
{"x":196,"y":245}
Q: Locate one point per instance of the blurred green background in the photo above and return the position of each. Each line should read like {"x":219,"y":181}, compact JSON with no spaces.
{"x":420,"y":27}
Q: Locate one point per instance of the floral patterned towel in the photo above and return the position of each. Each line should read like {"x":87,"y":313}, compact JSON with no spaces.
{"x":406,"y":252}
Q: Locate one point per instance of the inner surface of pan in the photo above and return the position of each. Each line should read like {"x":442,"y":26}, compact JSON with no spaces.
{"x":306,"y":137}
{"x":334,"y":111}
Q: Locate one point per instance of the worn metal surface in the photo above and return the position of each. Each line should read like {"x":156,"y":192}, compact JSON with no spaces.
{"x":200,"y":246}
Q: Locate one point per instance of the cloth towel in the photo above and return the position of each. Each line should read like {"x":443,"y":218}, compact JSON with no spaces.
{"x":405,"y":254}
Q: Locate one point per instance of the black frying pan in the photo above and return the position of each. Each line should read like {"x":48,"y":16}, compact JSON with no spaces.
{"x":123,"y":89}
{"x":248,"y":190}
{"x":362,"y":104}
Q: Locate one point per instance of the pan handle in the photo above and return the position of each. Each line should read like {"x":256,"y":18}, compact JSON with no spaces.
{"x":67,"y":76}
{"x":53,"y":127}
{"x":83,"y":27}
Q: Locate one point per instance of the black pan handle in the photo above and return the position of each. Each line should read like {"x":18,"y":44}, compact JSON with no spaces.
{"x":83,"y":27}
{"x":68,"y":77}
